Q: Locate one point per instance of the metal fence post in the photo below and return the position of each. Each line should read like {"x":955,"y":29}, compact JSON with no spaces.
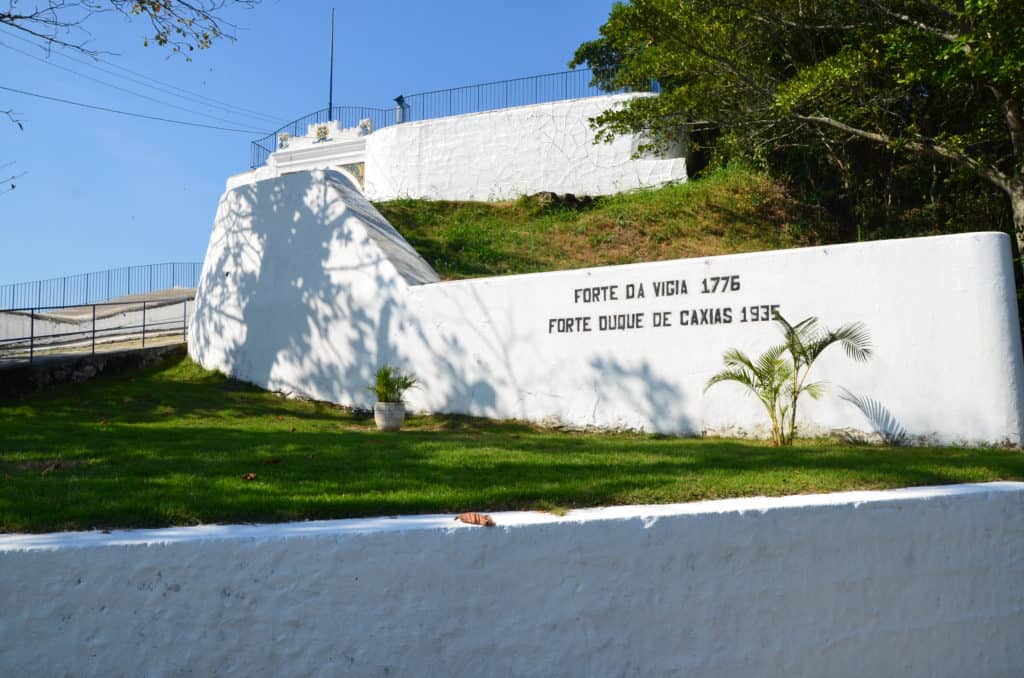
{"x":143,"y":324}
{"x":399,"y":109}
{"x":94,"y":329}
{"x":184,"y":319}
{"x":31,"y":334}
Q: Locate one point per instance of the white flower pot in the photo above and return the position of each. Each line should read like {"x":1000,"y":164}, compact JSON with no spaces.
{"x":389,"y":416}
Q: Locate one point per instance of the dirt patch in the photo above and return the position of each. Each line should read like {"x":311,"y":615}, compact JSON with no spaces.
{"x":41,"y":466}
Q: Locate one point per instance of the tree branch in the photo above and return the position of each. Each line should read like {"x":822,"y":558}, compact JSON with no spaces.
{"x":910,"y":21}
{"x":10,"y":115}
{"x":183,"y":25}
{"x":1015,"y":125}
{"x":50,"y":21}
{"x":920,"y":145}
{"x":778,"y":19}
{"x":7,"y":184}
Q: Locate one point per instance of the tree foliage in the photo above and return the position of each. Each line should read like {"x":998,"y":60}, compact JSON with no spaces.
{"x":182,"y":25}
{"x":903,"y":113}
{"x":390,"y":384}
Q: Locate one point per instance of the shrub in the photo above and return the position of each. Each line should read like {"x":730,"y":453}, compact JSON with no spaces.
{"x":391,"y":384}
{"x":778,"y":380}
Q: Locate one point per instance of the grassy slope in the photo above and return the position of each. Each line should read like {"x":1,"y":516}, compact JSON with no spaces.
{"x":169,"y":446}
{"x":731,"y":210}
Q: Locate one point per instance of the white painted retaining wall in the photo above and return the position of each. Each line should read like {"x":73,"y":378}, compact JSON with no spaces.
{"x":914,"y":583}
{"x":298,"y":296}
{"x":510,"y":152}
{"x":485,"y":156}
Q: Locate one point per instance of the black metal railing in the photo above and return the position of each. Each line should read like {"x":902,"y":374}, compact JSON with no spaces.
{"x":88,"y":288}
{"x":489,"y":96}
{"x":348,"y":116}
{"x":29,"y":333}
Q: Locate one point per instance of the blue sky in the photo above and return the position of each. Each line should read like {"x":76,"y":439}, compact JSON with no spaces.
{"x":102,"y":190}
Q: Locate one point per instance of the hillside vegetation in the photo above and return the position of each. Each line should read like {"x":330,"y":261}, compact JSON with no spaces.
{"x":730,"y":210}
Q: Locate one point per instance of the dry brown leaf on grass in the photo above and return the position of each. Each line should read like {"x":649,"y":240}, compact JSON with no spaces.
{"x":249,"y":476}
{"x":476,"y":519}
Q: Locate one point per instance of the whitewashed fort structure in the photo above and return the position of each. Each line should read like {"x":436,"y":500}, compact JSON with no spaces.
{"x":307,"y":289}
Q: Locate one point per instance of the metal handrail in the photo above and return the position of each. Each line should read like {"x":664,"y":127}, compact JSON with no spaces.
{"x":439,"y":103}
{"x":16,"y":345}
{"x":87,"y":288}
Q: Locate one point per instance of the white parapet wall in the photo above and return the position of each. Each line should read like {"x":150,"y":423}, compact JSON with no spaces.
{"x":914,"y":583}
{"x":494,"y":155}
{"x":307,"y":290}
{"x":510,"y":152}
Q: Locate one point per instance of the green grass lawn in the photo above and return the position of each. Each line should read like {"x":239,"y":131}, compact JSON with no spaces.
{"x":725,"y":211}
{"x":169,"y":446}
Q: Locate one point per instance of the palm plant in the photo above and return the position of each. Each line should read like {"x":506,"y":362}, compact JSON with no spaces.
{"x":390,"y":384}
{"x":779,"y":376}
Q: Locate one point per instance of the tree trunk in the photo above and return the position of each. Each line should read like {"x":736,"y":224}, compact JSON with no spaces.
{"x":1016,"y":246}
{"x":1017,"y":203}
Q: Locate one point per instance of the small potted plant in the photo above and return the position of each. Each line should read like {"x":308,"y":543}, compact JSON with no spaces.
{"x":390,"y":385}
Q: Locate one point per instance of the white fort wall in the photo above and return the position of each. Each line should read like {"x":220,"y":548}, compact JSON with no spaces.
{"x":919,"y":583}
{"x":306,"y":289}
{"x":511,"y":152}
{"x":494,"y":155}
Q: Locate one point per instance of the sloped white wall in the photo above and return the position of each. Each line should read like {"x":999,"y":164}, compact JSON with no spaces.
{"x":302,"y":278}
{"x":503,"y":154}
{"x":918,"y":583}
{"x":297,"y":295}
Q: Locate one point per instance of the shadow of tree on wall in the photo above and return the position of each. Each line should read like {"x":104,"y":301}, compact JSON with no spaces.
{"x":661,"y":400}
{"x":307,"y":290}
{"x":883,"y":422}
{"x":292,"y":302}
{"x":129,"y":463}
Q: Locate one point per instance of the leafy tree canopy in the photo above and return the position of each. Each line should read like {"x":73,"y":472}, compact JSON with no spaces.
{"x":940,"y":83}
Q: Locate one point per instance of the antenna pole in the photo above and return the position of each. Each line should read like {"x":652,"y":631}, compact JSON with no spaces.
{"x":330,"y":90}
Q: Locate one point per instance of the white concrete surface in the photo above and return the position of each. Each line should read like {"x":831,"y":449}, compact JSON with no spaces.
{"x":918,"y":582}
{"x":296,"y":296}
{"x":510,"y":152}
{"x":73,"y":326}
{"x":493,"y":155}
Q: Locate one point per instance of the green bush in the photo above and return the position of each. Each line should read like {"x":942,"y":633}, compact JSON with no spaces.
{"x":391,"y":384}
